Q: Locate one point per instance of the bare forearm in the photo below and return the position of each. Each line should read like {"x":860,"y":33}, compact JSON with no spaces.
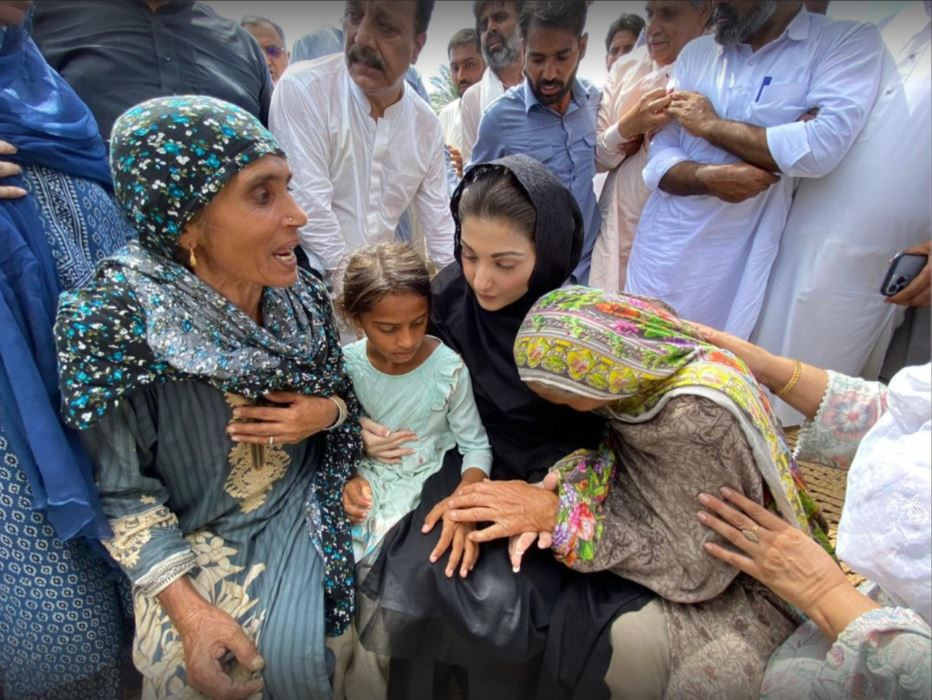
{"x":685,"y":179}
{"x":838,"y":609}
{"x":806,"y":394}
{"x":746,"y":141}
{"x":179,"y":599}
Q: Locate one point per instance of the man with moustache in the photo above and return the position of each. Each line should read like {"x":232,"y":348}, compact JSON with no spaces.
{"x":777,"y":94}
{"x":497,"y":25}
{"x":466,"y":67}
{"x":551,"y":116}
{"x":362,"y":145}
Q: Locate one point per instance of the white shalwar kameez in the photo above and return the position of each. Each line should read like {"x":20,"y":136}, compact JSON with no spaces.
{"x":710,"y":259}
{"x":823,"y":304}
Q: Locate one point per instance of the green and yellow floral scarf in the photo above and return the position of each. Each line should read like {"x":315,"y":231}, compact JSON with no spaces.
{"x":638,"y":354}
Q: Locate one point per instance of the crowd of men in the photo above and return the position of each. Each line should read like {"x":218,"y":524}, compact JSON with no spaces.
{"x":772,"y":209}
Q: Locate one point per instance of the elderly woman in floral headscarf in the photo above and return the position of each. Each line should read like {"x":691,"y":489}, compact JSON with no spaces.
{"x":233,"y":535}
{"x":685,"y":418}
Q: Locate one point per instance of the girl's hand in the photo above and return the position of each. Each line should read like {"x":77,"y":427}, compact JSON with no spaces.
{"x":383,"y":444}
{"x":464,"y":551}
{"x":357,"y":499}
{"x":784,"y":559}
{"x":297,"y":418}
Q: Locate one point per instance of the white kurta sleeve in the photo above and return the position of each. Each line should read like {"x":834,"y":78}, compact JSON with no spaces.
{"x":844,"y":89}
{"x":432,"y":202}
{"x":299,"y":121}
{"x":470,"y":115}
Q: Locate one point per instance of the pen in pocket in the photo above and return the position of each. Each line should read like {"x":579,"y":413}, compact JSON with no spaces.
{"x":764,"y":83}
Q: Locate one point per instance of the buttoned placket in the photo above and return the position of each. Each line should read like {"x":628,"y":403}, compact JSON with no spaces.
{"x":169,"y":66}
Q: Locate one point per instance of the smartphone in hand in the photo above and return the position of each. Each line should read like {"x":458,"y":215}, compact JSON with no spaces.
{"x":903,"y":269}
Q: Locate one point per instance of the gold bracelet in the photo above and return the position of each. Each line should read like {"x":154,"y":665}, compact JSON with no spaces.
{"x":788,"y":387}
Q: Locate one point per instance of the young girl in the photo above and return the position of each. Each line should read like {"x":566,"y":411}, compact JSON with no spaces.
{"x":417,"y":388}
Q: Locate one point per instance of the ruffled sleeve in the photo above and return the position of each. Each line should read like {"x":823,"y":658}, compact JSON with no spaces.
{"x":849,"y":409}
{"x":453,"y":392}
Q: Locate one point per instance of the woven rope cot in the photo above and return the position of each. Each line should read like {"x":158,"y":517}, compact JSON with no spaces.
{"x":827,"y":488}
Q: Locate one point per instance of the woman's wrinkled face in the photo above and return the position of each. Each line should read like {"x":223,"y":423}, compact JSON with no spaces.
{"x":566,"y":398}
{"x":248,"y":232}
{"x":498,"y":259}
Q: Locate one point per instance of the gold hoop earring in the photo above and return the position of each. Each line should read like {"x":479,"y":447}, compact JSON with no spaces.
{"x":192,"y":259}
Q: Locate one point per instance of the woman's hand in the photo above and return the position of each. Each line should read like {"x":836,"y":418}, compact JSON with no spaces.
{"x":357,"y":499}
{"x":464,"y":551}
{"x":917,"y":292}
{"x":297,"y":418}
{"x":784,"y":559}
{"x":8,"y":169}
{"x":383,"y":444}
{"x":513,"y":508}
{"x":519,"y":544}
{"x":209,"y":636}
{"x":647,"y":116}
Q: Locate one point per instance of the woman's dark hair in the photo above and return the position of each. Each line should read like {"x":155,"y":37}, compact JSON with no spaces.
{"x":494,"y":193}
{"x":376,"y":271}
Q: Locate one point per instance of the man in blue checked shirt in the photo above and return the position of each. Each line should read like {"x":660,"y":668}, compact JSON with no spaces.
{"x":551,"y":116}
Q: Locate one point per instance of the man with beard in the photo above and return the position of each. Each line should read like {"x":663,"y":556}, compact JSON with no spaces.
{"x":362,"y":145}
{"x":497,"y":25}
{"x":466,"y":67}
{"x":777,"y":94}
{"x":551,"y":116}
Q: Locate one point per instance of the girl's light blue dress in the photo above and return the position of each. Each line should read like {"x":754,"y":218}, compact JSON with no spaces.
{"x":435,"y":401}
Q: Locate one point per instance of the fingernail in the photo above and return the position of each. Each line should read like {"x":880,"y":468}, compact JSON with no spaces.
{"x":703,"y":499}
{"x":236,"y":413}
{"x":258,"y":663}
{"x":701,"y":515}
{"x":236,"y":438}
{"x":424,"y":529}
{"x":726,"y":492}
{"x":432,"y":558}
{"x":516,"y":569}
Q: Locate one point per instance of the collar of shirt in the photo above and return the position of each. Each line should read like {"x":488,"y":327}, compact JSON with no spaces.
{"x":580,"y":96}
{"x":796,"y":30}
{"x":361,"y":98}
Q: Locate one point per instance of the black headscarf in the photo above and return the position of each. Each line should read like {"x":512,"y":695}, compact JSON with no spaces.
{"x":527,"y":433}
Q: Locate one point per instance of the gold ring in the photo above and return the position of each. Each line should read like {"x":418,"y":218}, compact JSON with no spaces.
{"x":752,"y":534}
{"x":271,"y":440}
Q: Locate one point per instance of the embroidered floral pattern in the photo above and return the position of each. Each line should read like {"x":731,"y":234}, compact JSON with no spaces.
{"x":158,"y":651}
{"x":133,"y":531}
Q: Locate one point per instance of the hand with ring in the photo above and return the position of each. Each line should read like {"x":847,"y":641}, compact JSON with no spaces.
{"x":783,"y":558}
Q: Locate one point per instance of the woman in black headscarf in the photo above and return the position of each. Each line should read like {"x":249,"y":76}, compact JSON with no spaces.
{"x":518,"y":235}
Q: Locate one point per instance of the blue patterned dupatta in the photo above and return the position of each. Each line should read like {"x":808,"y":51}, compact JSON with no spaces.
{"x":50,"y":126}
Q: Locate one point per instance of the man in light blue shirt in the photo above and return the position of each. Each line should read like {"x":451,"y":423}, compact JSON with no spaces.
{"x":551,"y":116}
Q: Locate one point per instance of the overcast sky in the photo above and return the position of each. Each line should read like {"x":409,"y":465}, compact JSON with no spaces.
{"x":299,"y":17}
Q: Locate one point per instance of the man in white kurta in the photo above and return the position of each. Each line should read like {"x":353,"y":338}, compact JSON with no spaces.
{"x":722,"y":173}
{"x":500,"y":40}
{"x":823,"y":303}
{"x":355,"y":173}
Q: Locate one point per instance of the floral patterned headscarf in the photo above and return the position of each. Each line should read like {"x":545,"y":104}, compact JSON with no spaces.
{"x":146,"y":319}
{"x":170,"y":156}
{"x":638,"y":354}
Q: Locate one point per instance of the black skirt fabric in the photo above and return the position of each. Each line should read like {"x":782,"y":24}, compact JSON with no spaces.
{"x":489,"y":631}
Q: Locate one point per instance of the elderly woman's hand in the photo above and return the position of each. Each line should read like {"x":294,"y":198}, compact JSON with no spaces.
{"x":784,"y":559}
{"x":209,"y":637}
{"x":454,"y":536}
{"x":513,"y":508}
{"x":298,"y":418}
{"x":383,"y":444}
